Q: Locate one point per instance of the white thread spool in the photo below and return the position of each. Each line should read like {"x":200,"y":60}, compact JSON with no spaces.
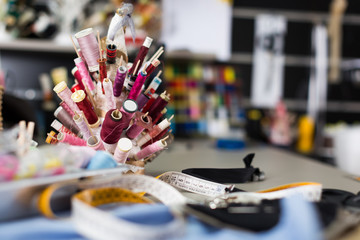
{"x":122,"y":150}
{"x":109,"y":95}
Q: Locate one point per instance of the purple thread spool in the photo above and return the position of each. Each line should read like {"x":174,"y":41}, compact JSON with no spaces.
{"x":119,"y":80}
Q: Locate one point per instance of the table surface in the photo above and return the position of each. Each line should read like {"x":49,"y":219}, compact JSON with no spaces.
{"x":280,"y":166}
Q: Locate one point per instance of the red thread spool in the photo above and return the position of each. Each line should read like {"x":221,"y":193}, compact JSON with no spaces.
{"x":79,"y":97}
{"x":159,"y":104}
{"x":111,"y":53}
{"x":141,"y":55}
{"x":141,"y":122}
{"x":112,"y":127}
{"x":76,"y":73}
{"x":136,"y":89}
{"x":150,"y":69}
{"x":102,"y":68}
{"x":158,"y":137}
{"x":119,"y":80}
{"x":148,"y":105}
{"x":75,"y":87}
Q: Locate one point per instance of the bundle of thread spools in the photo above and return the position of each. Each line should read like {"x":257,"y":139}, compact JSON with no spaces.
{"x":109,"y":107}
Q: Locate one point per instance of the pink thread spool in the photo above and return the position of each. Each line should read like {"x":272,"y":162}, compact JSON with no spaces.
{"x":128,"y":110}
{"x":70,"y":139}
{"x":79,"y":97}
{"x":83,"y":126}
{"x":157,"y":129}
{"x":95,"y":143}
{"x":142,"y":100}
{"x":152,"y":148}
{"x":89,"y":48}
{"x":122,"y":151}
{"x":119,"y":80}
{"x":142,"y":122}
{"x":84,"y":73}
{"x":136,"y":89}
{"x":109,"y":96}
{"x":66,"y":108}
{"x":64,"y":94}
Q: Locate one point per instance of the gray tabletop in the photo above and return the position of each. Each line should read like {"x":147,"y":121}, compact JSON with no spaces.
{"x":280,"y":166}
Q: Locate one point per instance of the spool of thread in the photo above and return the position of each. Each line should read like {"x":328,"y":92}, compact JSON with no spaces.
{"x":109,"y":96}
{"x":84,"y":73}
{"x":153,"y":86}
{"x":152,"y":66}
{"x":159,"y":116}
{"x":122,"y":150}
{"x":64,"y":94}
{"x":142,"y":100}
{"x":102,"y":68}
{"x":130,"y":82}
{"x":66,"y":108}
{"x":158,"y":137}
{"x":136,"y":88}
{"x":141,"y":54}
{"x":51,"y":138}
{"x":128,"y":110}
{"x":70,"y":139}
{"x":76,"y":73}
{"x":148,"y":104}
{"x":89,"y":48}
{"x":75,"y":87}
{"x":79,"y":97}
{"x":152,"y":148}
{"x":119,"y":80}
{"x":66,"y":120}
{"x":58,"y":126}
{"x":159,"y":104}
{"x":111,"y":53}
{"x":83,"y":126}
{"x":156,"y":130}
{"x":141,"y":122}
{"x":95,"y":143}
{"x":101,"y":160}
{"x":112,"y":127}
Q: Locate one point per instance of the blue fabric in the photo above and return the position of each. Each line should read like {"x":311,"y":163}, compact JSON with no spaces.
{"x":298,"y":221}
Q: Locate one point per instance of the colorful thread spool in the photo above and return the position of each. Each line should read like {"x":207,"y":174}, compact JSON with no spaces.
{"x":89,"y":48}
{"x":66,"y":120}
{"x":58,"y":126}
{"x":82,"y":124}
{"x":119,"y":80}
{"x":142,"y":122}
{"x":79,"y":97}
{"x":151,"y":149}
{"x":123,"y":148}
{"x":70,"y":139}
{"x":84,"y":73}
{"x":95,"y":143}
{"x":111,"y":53}
{"x":136,"y":88}
{"x":64,"y":94}
{"x":51,"y":138}
{"x":101,"y":160}
{"x":109,"y":96}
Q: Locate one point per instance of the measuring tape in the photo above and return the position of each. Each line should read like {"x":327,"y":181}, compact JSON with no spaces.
{"x":310,"y":191}
{"x":194,"y":184}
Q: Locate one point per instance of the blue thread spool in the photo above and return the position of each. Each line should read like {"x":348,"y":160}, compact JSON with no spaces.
{"x":101,"y":160}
